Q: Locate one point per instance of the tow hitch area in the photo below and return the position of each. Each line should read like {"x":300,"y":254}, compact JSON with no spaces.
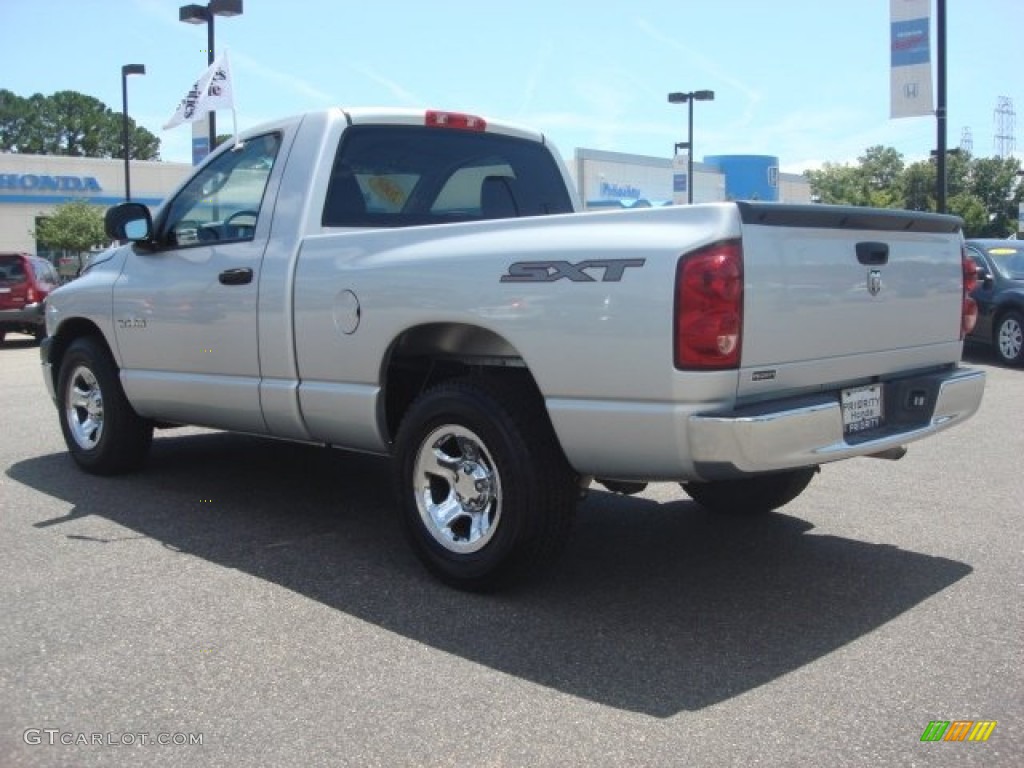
{"x":621,"y":486}
{"x":892,"y":454}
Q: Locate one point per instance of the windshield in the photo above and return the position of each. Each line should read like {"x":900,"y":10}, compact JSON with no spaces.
{"x":1008,"y":259}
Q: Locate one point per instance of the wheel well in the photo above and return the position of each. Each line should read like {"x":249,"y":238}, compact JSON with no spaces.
{"x":1003,"y":311}
{"x":68,"y":333}
{"x":428,"y":354}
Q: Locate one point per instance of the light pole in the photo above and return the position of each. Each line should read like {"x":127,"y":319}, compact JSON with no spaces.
{"x":940,"y":107}
{"x":203,"y":14}
{"x":689,"y":98}
{"x":126,"y":144}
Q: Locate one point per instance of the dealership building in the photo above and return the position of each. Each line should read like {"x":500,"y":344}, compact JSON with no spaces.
{"x":31,"y":186}
{"x":611,"y":179}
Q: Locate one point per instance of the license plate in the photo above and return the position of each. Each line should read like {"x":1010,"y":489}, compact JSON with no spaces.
{"x":862,"y":408}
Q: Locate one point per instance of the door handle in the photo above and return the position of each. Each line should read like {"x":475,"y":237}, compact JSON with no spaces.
{"x":873,"y":254}
{"x":239,"y":276}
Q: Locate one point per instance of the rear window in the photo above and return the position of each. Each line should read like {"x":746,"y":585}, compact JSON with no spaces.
{"x":397,"y":176}
{"x":12,"y":268}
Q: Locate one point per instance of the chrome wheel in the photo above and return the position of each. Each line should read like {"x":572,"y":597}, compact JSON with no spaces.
{"x":1010,"y":338}
{"x":458,"y":489}
{"x":84,"y":407}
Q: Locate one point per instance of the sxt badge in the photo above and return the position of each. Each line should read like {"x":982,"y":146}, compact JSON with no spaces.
{"x":550,"y":271}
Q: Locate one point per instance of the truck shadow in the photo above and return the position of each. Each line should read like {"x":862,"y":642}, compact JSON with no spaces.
{"x":655,"y":608}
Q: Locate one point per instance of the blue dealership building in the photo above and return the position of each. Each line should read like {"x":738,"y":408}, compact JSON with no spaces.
{"x":616,"y":180}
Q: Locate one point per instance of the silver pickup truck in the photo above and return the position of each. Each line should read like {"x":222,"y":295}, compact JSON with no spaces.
{"x":420,"y":284}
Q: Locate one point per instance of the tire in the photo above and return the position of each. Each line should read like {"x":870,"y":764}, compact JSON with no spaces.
{"x":752,"y":495}
{"x":103,"y":433}
{"x":1009,"y":338}
{"x":487,"y":497}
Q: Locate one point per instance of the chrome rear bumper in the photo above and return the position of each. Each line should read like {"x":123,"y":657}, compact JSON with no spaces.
{"x":810,"y":430}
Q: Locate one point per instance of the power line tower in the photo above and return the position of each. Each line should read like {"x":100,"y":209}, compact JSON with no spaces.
{"x":966,"y":140}
{"x":1004,"y":141}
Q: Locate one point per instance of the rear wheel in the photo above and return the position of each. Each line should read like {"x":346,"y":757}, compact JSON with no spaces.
{"x":103,"y":433}
{"x":1009,"y":338}
{"x":751,"y":495}
{"x":486,"y":495}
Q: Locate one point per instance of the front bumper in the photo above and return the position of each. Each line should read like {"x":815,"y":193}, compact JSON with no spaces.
{"x":809,"y":430}
{"x":44,"y":356}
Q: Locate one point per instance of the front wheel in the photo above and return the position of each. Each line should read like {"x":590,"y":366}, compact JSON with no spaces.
{"x":486,"y":495}
{"x":1010,"y":338}
{"x":103,"y":433}
{"x":751,"y":495}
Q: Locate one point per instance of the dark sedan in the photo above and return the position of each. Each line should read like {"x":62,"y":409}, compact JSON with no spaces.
{"x":1000,"y":297}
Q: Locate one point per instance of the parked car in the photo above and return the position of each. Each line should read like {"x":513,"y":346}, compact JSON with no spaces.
{"x":25,"y":282}
{"x":1000,"y":297}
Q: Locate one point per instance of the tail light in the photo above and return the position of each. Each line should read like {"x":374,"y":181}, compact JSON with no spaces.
{"x":31,"y":295}
{"x":456,"y":120}
{"x":709,"y":308}
{"x":969,"y":307}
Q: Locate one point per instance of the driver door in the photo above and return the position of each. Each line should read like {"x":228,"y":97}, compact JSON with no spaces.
{"x":185,"y":311}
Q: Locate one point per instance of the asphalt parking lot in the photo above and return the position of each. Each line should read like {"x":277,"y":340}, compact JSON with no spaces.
{"x":257,"y":596}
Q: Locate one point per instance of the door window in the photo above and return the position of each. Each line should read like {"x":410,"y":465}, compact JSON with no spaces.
{"x":222,"y":202}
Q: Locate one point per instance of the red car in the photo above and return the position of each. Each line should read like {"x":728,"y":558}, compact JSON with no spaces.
{"x":25,"y":282}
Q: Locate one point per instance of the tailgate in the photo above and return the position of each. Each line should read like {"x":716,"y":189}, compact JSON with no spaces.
{"x":835,"y":294}
{"x":12,"y":293}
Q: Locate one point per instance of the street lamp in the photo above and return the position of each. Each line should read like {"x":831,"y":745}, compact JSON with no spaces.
{"x":127,"y":69}
{"x":203,"y":14}
{"x":689,"y":98}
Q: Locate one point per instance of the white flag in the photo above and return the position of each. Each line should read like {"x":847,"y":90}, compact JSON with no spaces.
{"x":213,"y":90}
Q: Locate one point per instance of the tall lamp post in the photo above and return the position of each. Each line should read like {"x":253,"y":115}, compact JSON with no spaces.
{"x":940,"y":107}
{"x":203,"y":14}
{"x":126,"y":145}
{"x":689,"y":98}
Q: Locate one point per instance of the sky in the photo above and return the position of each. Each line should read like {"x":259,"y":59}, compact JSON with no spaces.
{"x":804,"y":80}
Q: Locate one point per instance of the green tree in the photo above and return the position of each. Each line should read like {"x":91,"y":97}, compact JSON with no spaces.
{"x":972,"y":210}
{"x":836,"y":184}
{"x":882,"y":171}
{"x":75,"y":226}
{"x":995,"y":181}
{"x":919,"y":186}
{"x":69,"y":123}
{"x":984,"y":192}
{"x":876,"y":180}
{"x":958,"y":173}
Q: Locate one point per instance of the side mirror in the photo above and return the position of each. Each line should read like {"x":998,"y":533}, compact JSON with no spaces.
{"x":128,"y":221}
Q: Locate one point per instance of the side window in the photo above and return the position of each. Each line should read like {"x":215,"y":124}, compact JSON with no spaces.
{"x":399,"y":176}
{"x":222,"y":203}
{"x":44,"y":272}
